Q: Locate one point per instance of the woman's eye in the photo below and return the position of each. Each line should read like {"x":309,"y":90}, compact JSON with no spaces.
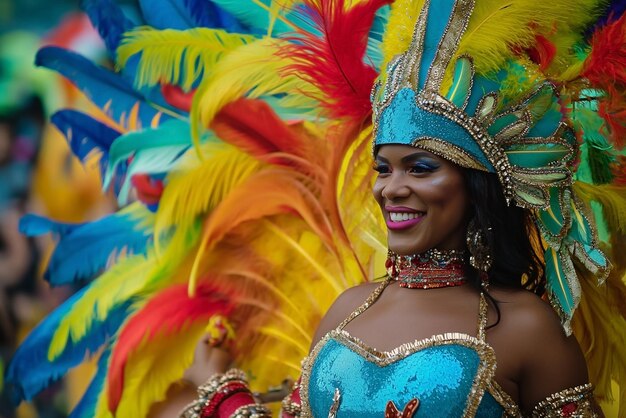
{"x":381,"y":169}
{"x":421,"y":168}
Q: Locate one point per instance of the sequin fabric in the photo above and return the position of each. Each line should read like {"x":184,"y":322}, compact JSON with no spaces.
{"x":441,"y":377}
{"x":404,"y":122}
{"x":450,"y":375}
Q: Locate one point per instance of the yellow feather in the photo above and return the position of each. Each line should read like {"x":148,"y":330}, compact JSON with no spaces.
{"x":253,"y":70}
{"x":613,"y":201}
{"x":177,"y":57}
{"x":286,"y":338}
{"x":360,"y":213}
{"x":302,"y":251}
{"x":600,"y":327}
{"x":102,"y":406}
{"x":400,"y":26}
{"x":496,"y":26}
{"x":115,"y":286}
{"x":154,"y":367}
{"x":334,"y":271}
{"x":222,"y":169}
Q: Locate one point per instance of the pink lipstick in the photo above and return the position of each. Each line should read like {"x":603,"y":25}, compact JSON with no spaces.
{"x":400,"y":217}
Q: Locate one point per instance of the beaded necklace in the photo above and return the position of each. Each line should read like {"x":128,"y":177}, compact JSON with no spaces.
{"x":432,"y":269}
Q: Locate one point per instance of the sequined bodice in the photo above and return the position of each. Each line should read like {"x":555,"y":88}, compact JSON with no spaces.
{"x":451,"y":375}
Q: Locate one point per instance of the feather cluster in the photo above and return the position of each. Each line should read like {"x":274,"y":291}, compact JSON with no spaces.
{"x":242,"y":128}
{"x":334,"y":61}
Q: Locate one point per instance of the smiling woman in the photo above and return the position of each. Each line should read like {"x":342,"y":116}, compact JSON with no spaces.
{"x":256,"y":211}
{"x":475,"y":186}
{"x":423,"y":199}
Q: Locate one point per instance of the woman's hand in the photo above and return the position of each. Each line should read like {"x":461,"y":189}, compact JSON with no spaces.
{"x":209,"y":359}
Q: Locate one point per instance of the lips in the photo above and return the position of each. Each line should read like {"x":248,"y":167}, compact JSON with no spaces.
{"x":403,"y":217}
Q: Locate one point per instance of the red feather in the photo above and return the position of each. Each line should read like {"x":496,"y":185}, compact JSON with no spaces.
{"x":177,"y":97}
{"x":619,"y":171}
{"x":542,"y":53}
{"x":334,"y":60}
{"x":149,"y":190}
{"x":253,"y":126}
{"x":167,"y":313}
{"x":605,"y":68}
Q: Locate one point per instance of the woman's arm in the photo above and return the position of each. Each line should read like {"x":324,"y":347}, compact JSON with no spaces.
{"x":223,"y":394}
{"x":553,"y":380}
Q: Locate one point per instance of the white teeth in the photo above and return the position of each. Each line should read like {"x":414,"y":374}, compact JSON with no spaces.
{"x":403,"y":216}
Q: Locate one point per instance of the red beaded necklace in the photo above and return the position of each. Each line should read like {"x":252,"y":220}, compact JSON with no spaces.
{"x":432,"y":269}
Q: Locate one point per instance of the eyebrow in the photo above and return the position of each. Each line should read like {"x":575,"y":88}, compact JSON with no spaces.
{"x":408,"y":158}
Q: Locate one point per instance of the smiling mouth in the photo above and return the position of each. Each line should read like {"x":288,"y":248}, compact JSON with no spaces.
{"x":404,"y":220}
{"x":404,"y":216}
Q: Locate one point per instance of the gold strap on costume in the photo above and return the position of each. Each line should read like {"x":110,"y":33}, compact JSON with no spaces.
{"x":570,"y":403}
{"x":482,"y":317}
{"x":368,"y":302}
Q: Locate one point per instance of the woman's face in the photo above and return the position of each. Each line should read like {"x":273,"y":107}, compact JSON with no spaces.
{"x":423,"y":199}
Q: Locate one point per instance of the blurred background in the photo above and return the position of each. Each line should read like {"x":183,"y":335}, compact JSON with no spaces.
{"x":39,"y":175}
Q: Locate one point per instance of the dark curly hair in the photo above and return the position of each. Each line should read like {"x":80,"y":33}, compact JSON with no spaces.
{"x":511,"y":233}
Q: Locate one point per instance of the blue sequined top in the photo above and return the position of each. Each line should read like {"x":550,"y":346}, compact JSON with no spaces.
{"x":445,"y":376}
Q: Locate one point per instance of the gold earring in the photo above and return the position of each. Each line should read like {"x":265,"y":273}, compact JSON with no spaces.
{"x":478,"y":246}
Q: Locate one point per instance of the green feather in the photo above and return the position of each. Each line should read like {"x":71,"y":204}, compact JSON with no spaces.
{"x":557,"y":283}
{"x":536,"y":155}
{"x":153,"y":150}
{"x":460,"y":90}
{"x":552,"y":218}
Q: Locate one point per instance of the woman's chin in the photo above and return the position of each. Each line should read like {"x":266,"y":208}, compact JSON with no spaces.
{"x":406,"y":248}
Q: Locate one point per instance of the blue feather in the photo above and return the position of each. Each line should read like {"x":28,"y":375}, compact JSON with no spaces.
{"x":107,"y":17}
{"x":105,"y":89}
{"x":30,"y":371}
{"x":257,"y":18}
{"x":85,"y":249}
{"x":374,"y":47}
{"x":210,"y":15}
{"x":35,"y":225}
{"x":85,"y":134}
{"x":187,"y":14}
{"x":613,"y":11}
{"x":86,"y":407}
{"x":167,"y":14}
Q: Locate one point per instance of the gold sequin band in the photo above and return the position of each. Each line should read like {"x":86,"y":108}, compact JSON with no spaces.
{"x":570,"y":403}
{"x":209,"y":389}
{"x":289,"y":406}
{"x":252,"y":411}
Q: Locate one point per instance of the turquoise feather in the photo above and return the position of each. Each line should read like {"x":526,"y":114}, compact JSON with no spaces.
{"x":502,"y":122}
{"x":552,"y":218}
{"x":171,"y":133}
{"x":557,"y":283}
{"x":460,"y":90}
{"x":254,"y":16}
{"x":536,"y":155}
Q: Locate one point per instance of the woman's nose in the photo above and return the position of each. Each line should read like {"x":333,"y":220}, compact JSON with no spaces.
{"x":396,"y":187}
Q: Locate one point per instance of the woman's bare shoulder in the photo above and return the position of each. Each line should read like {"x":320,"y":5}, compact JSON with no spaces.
{"x":549,"y":359}
{"x":342,"y":307}
{"x":526,"y":312}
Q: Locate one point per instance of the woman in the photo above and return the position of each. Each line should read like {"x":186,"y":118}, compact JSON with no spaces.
{"x":478,"y":108}
{"x":448,"y":175}
{"x":436,"y":304}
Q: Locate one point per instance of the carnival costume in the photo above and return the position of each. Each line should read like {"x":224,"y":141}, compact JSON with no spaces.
{"x":244,"y":130}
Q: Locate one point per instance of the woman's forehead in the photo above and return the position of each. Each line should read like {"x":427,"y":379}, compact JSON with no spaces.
{"x":400,"y":151}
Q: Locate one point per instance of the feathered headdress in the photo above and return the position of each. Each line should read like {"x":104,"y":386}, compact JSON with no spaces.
{"x":242,"y":129}
{"x":467,"y":88}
